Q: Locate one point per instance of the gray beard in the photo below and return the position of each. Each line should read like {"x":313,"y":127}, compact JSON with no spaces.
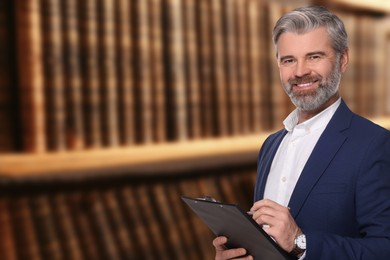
{"x":326,"y":89}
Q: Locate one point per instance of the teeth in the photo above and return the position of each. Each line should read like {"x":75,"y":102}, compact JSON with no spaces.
{"x":304,"y":85}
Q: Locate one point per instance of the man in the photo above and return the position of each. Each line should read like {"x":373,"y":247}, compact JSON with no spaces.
{"x":323,"y":184}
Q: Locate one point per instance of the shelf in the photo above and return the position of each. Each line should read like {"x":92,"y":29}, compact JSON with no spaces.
{"x":145,"y":160}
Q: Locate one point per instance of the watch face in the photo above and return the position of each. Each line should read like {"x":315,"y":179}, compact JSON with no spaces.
{"x":301,"y":241}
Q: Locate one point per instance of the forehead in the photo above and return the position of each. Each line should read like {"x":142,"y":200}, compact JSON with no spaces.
{"x":294,"y":44}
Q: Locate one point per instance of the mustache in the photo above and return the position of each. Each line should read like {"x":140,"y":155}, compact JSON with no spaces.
{"x":303,"y":80}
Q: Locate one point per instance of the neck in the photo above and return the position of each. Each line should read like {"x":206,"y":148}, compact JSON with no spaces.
{"x":306,"y":115}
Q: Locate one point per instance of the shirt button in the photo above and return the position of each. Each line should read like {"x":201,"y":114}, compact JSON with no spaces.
{"x":284,"y":179}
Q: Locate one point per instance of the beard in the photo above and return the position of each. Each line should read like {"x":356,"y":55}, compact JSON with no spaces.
{"x":313,"y":99}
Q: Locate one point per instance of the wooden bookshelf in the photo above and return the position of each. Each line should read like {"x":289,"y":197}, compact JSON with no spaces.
{"x":143,"y":160}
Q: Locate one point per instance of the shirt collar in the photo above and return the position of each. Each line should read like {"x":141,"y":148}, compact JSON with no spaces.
{"x":320,"y":120}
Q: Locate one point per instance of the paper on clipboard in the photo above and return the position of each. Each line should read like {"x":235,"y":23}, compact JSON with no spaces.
{"x":242,"y":231}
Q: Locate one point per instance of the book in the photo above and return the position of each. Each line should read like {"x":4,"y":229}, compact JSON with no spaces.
{"x":182,"y":222}
{"x":126,"y":78}
{"x":143,"y":89}
{"x":31,"y":84}
{"x":166,"y":220}
{"x":157,"y":71}
{"x":54,"y":82}
{"x":107,"y":72}
{"x":62,"y":215}
{"x":232,"y":86}
{"x":8,"y":100}
{"x":136,"y":223}
{"x":120,"y":231}
{"x":258,"y":66}
{"x":80,"y":209}
{"x":176,"y":79}
{"x":46,"y":229}
{"x":26,"y":237}
{"x":193,"y":83}
{"x":219,"y":71}
{"x":98,"y":215}
{"x":242,"y":60}
{"x":158,"y":243}
{"x":75,"y":126}
{"x":205,"y":69}
{"x":90,"y":55}
{"x":202,"y":236}
{"x":7,"y":246}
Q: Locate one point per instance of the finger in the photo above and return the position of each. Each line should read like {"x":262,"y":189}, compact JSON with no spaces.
{"x":236,"y":253}
{"x":219,"y":243}
{"x":266,"y":203}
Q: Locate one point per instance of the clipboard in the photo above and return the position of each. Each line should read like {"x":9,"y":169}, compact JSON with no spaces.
{"x":241,"y":230}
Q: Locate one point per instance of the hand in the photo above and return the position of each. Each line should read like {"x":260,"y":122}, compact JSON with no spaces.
{"x":221,"y":253}
{"x":280,"y":224}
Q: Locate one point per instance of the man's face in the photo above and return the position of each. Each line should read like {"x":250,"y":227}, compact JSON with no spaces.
{"x":309,"y":68}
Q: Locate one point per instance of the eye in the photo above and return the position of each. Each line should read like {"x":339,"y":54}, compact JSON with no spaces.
{"x":287,"y":62}
{"x":314,"y":57}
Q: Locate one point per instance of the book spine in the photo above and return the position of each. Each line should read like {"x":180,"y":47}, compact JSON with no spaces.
{"x":157,"y":71}
{"x":143,"y":89}
{"x":200,"y":232}
{"x":121,"y":232}
{"x":90,"y":72}
{"x":243,"y":66}
{"x":75,"y":128}
{"x":79,"y":207}
{"x":258,"y":46}
{"x":191,"y":50}
{"x":7,"y":80}
{"x":109,"y":82}
{"x":205,"y":69}
{"x":8,"y":248}
{"x":158,"y":242}
{"x":136,"y":223}
{"x":168,"y":222}
{"x":52,"y":46}
{"x":29,"y":59}
{"x":62,"y":214}
{"x":23,"y":227}
{"x":183,"y":225}
{"x":104,"y":236}
{"x":230,"y":21}
{"x":46,"y":229}
{"x":176,"y":88}
{"x":125,"y":47}
{"x":219,"y":71}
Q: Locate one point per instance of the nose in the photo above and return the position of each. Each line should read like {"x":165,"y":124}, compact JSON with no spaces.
{"x":301,"y":68}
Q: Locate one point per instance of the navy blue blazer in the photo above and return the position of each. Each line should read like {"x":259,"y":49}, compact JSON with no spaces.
{"x":342,"y":198}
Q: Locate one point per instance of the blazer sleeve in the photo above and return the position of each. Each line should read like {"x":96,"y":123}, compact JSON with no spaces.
{"x":372,"y":204}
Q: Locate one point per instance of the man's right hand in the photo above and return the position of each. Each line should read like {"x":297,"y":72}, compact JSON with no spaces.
{"x":221,"y":253}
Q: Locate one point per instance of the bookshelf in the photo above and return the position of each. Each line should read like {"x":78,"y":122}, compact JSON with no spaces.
{"x":110,"y":106}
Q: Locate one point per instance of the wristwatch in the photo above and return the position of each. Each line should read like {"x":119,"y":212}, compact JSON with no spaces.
{"x":299,"y":245}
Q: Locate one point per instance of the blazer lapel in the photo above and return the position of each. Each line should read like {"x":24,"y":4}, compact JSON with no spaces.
{"x":264,"y":168}
{"x":324,"y":151}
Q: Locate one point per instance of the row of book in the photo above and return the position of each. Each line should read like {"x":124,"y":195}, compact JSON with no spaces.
{"x":130,"y":219}
{"x":106,"y":73}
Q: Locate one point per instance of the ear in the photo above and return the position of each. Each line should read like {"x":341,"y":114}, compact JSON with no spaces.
{"x":344,"y":60}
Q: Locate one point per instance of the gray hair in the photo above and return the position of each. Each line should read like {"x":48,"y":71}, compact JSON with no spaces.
{"x":306,"y":19}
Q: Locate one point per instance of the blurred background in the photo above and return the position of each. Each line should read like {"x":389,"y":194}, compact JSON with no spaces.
{"x":110,"y":110}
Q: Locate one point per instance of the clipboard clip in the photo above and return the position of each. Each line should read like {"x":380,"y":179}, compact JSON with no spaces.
{"x":208,"y":198}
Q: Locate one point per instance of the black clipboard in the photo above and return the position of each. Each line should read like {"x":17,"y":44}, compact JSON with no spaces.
{"x":242,"y":231}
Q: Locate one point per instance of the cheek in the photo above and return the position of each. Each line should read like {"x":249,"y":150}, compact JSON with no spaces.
{"x":285,"y":74}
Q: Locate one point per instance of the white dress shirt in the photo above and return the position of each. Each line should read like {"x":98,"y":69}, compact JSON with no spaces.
{"x":293,"y":153}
